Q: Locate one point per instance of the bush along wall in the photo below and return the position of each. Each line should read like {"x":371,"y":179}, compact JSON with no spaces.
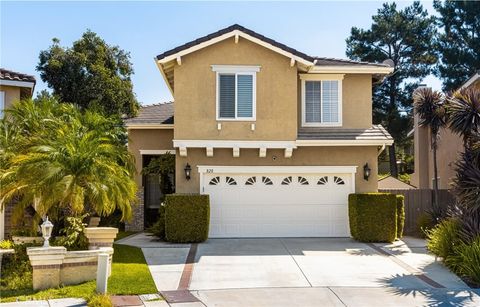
{"x":400,"y":215}
{"x":187,"y":218}
{"x":373,"y":217}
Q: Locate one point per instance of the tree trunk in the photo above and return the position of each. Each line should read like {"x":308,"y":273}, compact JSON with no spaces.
{"x":436,"y":208}
{"x":393,"y":161}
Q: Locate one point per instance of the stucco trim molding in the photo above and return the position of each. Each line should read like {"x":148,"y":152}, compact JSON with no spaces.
{"x":233,"y":144}
{"x":156,"y":151}
{"x":227,"y":169}
{"x":149,"y":126}
{"x":343,"y":142}
{"x":351,"y":69}
{"x":17,"y":83}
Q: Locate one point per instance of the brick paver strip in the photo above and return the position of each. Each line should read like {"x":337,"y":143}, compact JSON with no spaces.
{"x":126,"y":300}
{"x":188,"y":268}
{"x":179,"y":296}
{"x":417,"y":273}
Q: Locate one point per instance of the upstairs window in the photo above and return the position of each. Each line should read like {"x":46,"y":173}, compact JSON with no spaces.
{"x":236,"y":92}
{"x":321,"y":100}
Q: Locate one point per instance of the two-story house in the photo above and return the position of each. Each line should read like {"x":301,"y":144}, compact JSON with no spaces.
{"x":277,"y":138}
{"x":13,"y":87}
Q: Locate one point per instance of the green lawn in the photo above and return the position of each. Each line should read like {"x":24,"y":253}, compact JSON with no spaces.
{"x":124,"y":234}
{"x":130,"y":275}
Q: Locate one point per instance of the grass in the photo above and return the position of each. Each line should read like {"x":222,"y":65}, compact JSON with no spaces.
{"x":130,"y":275}
{"x":124,"y":234}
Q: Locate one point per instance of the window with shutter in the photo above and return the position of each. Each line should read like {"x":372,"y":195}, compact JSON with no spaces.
{"x":236,"y":91}
{"x":321,"y":101}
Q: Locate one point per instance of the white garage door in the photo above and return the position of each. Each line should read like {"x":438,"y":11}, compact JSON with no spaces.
{"x":278,"y":202}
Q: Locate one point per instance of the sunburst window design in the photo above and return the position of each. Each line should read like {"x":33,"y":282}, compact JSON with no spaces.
{"x":214,"y":181}
{"x":267,"y":180}
{"x":251,"y":181}
{"x":230,"y":181}
{"x":287,"y":180}
{"x":323,"y":180}
{"x":338,"y":180}
{"x":302,"y":180}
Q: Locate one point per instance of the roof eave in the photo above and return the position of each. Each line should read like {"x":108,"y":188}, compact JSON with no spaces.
{"x":352,"y":69}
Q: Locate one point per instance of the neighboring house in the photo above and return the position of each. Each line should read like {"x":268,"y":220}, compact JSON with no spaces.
{"x":277,"y":138}
{"x":450,"y":145}
{"x":13,"y":87}
{"x":392,"y":183}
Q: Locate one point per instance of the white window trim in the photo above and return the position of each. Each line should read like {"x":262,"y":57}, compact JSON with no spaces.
{"x":322,"y":77}
{"x":2,"y":104}
{"x":236,"y":70}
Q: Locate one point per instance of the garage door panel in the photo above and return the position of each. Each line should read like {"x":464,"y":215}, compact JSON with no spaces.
{"x":278,"y":205}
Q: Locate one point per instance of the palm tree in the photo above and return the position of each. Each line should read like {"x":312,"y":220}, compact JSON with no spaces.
{"x":430,"y":108}
{"x":66,"y":161}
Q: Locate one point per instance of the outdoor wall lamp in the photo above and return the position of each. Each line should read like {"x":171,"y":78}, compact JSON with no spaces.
{"x":366,"y":171}
{"x":47,"y":227}
{"x":188,"y":171}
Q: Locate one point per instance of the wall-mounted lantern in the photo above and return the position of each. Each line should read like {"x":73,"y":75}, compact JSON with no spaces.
{"x":366,"y":171}
{"x":188,"y":171}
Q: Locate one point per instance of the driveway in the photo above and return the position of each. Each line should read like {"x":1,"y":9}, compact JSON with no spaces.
{"x":305,"y":272}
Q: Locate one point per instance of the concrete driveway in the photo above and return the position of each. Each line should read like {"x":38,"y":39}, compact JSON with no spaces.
{"x":306,"y":272}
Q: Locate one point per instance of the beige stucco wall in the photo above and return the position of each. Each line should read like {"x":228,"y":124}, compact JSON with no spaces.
{"x":320,"y":156}
{"x":195,"y":94}
{"x":148,"y":139}
{"x":12,"y":94}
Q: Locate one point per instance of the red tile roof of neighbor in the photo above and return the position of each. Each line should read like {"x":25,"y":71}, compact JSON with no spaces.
{"x":10,"y":75}
{"x":319,"y":61}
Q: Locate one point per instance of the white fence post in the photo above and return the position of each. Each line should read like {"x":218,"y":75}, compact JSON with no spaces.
{"x":102,"y":273}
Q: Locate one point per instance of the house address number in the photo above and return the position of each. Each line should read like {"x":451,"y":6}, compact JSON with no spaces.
{"x":209,"y":170}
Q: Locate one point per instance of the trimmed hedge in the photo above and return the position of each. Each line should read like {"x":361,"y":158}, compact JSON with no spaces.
{"x":373,"y":217}
{"x":400,"y":215}
{"x":187,"y":218}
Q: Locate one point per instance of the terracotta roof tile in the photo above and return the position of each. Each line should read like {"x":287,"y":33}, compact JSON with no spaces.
{"x":6,"y":74}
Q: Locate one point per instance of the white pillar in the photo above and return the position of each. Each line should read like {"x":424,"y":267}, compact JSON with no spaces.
{"x":102,"y":273}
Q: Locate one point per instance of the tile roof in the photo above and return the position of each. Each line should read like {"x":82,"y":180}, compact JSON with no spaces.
{"x":321,"y":61}
{"x":377,"y":132}
{"x":160,"y":113}
{"x":9,"y":75}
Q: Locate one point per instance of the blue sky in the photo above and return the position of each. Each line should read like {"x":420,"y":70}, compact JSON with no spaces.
{"x":146,"y":29}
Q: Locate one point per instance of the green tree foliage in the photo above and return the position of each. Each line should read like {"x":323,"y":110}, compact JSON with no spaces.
{"x":458,"y":42}
{"x":406,"y":38}
{"x":91,"y":74}
{"x":64,"y":160}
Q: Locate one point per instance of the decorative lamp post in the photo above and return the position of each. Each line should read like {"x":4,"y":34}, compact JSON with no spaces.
{"x":47,"y":227}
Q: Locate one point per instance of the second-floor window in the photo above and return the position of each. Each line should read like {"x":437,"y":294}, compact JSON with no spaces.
{"x":236,"y":92}
{"x":321,"y":101}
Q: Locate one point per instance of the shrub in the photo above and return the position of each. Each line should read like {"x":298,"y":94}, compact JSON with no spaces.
{"x":6,"y":244}
{"x":16,"y":271}
{"x":466,"y":260}
{"x":187,"y":218}
{"x":400,"y":215}
{"x":424,"y":223}
{"x":373,"y":217}
{"x":158,"y":229}
{"x":74,"y":234}
{"x":100,"y":300}
{"x":442,"y":239}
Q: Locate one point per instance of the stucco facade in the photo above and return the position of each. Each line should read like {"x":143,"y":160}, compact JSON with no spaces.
{"x":12,"y":94}
{"x":275,"y":135}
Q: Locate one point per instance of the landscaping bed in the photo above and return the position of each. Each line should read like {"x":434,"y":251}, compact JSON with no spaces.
{"x":130,"y":275}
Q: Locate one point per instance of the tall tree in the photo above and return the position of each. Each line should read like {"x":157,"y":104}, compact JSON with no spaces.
{"x":405,"y":37}
{"x":430,"y":108}
{"x":458,"y":42}
{"x":91,"y":74}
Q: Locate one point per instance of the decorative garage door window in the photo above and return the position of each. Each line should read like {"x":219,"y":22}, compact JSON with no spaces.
{"x":302,"y":180}
{"x":323,"y":180}
{"x":251,"y":181}
{"x":338,"y":180}
{"x":230,"y":181}
{"x":214,"y":181}
{"x":267,"y":181}
{"x":287,"y":180}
